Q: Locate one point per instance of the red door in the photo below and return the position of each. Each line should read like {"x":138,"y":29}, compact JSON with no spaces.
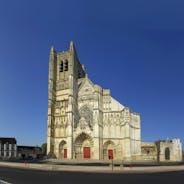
{"x":65,"y":153}
{"x":86,"y":151}
{"x":110,"y":154}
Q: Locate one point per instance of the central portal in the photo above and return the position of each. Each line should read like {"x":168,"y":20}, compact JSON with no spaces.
{"x":110,"y":154}
{"x":83,"y":146}
{"x":86,"y":152}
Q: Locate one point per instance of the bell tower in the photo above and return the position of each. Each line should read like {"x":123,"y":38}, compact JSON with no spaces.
{"x":64,"y":71}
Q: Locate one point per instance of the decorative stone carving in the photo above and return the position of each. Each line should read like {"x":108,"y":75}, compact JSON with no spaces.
{"x":85,"y":115}
{"x":82,"y":123}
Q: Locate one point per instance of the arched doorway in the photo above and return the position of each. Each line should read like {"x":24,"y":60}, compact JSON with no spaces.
{"x":167,"y":154}
{"x":109,"y":150}
{"x":83,"y":146}
{"x":63,"y":150}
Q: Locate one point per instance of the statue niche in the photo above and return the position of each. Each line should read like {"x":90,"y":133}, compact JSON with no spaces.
{"x":85,"y":118}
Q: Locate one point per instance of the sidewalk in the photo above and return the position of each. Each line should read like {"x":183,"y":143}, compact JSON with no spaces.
{"x":98,"y":169}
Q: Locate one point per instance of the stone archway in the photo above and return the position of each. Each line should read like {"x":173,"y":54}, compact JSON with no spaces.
{"x":109,"y":150}
{"x":83,"y":146}
{"x":63,"y":150}
{"x":167,"y":153}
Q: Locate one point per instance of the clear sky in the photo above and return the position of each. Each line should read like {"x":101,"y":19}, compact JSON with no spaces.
{"x":134,"y":47}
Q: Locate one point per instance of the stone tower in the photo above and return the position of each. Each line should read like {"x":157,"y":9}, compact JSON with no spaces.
{"x":64,"y":71}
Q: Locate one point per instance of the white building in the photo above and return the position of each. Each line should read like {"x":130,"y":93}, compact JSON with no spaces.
{"x":8,"y":148}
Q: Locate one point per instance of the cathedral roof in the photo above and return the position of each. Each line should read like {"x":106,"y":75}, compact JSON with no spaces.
{"x":115,"y":105}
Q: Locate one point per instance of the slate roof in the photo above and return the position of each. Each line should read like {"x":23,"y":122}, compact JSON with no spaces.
{"x":10,"y":140}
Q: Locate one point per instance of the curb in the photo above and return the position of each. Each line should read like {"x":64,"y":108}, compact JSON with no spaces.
{"x":93,"y":169}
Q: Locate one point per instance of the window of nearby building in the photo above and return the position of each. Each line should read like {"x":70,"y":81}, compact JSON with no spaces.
{"x":7,"y":146}
{"x":7,"y":153}
{"x":2,"y":153}
{"x":13,"y":146}
{"x":12,"y":154}
{"x":2,"y":146}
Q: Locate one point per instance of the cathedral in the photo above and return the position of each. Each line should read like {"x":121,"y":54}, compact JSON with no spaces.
{"x":86,"y":122}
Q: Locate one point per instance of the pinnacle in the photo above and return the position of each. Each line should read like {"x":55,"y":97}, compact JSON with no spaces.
{"x":72,"y":47}
{"x":52,"y":49}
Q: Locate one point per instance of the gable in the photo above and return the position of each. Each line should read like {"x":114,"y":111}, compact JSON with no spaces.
{"x":86,"y":87}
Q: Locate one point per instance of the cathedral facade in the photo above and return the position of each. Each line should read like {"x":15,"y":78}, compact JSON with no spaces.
{"x":84,"y":120}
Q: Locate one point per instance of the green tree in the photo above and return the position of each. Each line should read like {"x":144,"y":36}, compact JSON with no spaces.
{"x":44,"y":148}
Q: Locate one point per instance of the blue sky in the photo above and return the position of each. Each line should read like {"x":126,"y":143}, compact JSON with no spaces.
{"x":135,"y":48}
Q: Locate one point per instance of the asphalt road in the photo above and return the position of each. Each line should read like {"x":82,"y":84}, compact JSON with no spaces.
{"x":28,"y":176}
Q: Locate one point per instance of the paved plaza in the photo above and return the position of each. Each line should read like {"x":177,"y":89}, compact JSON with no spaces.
{"x":106,"y":168}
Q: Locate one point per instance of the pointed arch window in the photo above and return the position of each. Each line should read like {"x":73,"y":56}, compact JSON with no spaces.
{"x":66,"y":65}
{"x":61,"y":67}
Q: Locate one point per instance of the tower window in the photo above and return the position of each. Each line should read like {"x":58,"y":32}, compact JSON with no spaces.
{"x":61,"y":67}
{"x":66,"y":65}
